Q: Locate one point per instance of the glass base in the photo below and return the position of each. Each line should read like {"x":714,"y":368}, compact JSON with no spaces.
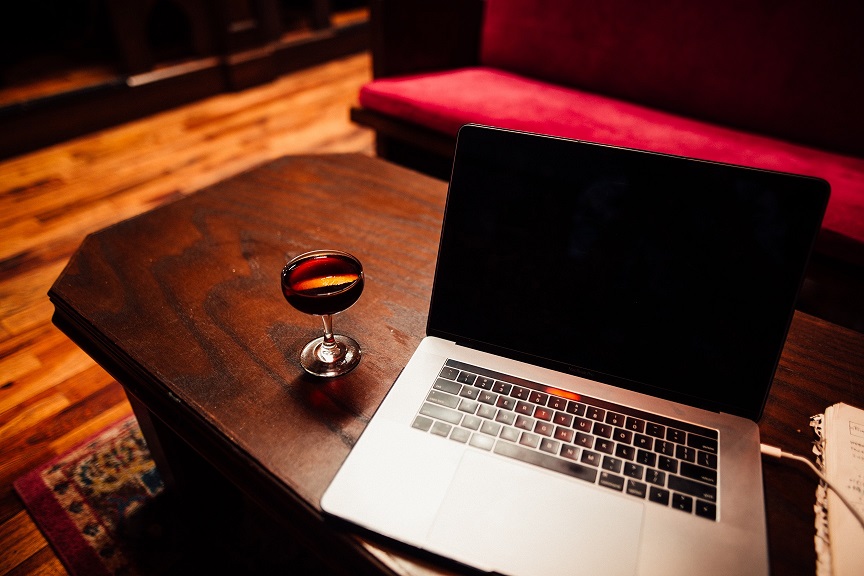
{"x":314,"y":358}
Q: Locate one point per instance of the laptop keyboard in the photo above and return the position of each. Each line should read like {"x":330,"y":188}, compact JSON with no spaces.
{"x":646,"y":456}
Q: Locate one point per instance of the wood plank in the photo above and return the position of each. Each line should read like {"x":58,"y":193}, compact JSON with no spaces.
{"x":20,"y":541}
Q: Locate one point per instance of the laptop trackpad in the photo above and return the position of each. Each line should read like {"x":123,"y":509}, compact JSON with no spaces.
{"x":574,"y":530}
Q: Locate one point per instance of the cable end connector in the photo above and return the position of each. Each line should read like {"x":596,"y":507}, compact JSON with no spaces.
{"x":772,"y":451}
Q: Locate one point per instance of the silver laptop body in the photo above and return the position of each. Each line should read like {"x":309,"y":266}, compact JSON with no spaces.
{"x":603,"y":331}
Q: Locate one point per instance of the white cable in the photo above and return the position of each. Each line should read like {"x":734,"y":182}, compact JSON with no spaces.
{"x":777,"y":453}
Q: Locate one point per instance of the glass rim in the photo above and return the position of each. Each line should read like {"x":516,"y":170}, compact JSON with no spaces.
{"x":326,"y":252}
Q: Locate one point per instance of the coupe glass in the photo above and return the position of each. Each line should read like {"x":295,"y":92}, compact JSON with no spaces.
{"x":324,"y":283}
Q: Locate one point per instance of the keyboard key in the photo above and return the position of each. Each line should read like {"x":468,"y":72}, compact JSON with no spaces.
{"x":614,"y":419}
{"x":682,"y":502}
{"x":633,"y":470}
{"x":575,"y":408}
{"x":487,"y":397}
{"x":604,"y":430}
{"x":441,"y":429}
{"x":569,"y":452}
{"x":544,"y":428}
{"x":520,"y":393}
{"x":529,"y":439}
{"x":706,"y":510}
{"x":524,"y":422}
{"x":466,"y":378}
{"x":447,"y":386}
{"x":543,"y":413}
{"x":549,"y":445}
{"x":644,"y":442}
{"x":658,"y":495}
{"x":622,"y":435}
{"x":422,"y":423}
{"x":625,"y":452}
{"x":584,"y":440}
{"x":460,"y":435}
{"x":702,"y":443}
{"x":676,"y":435}
{"x":506,"y":402}
{"x":595,"y":413}
{"x":443,"y":398}
{"x":564,"y":434}
{"x":693,"y":488}
{"x":546,"y":461}
{"x":491,"y":428}
{"x":667,"y":464}
{"x":685,"y":453}
{"x":646,"y":458}
{"x":612,"y":481}
{"x":603,"y":445}
{"x":582,"y":424}
{"x":590,"y":458}
{"x":538,"y":397}
{"x":706,"y":459}
{"x":505,"y":417}
{"x":441,"y":413}
{"x":562,"y":419}
{"x":484,"y":382}
{"x":655,"y":430}
{"x":449,"y":373}
{"x":612,"y":464}
{"x":637,"y":489}
{"x":523,"y":407}
{"x":664,"y":447}
{"x":472,"y":422}
{"x":482,"y":441}
{"x":509,"y":433}
{"x":699,"y":473}
{"x":486,"y":411}
{"x":634,"y":424}
{"x":557,"y":403}
{"x":469,"y":406}
{"x":655,"y":477}
{"x":469,"y":392}
{"x":501,"y":387}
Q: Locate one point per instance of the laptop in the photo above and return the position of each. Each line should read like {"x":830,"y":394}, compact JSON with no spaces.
{"x":603,"y":332}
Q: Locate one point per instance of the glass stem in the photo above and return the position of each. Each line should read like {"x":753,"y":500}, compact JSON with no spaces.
{"x":329,"y":351}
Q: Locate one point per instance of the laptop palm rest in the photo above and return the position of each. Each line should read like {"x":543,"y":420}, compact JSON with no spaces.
{"x":488,"y":495}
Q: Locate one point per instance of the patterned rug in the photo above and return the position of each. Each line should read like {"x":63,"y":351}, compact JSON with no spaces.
{"x":103,"y":508}
{"x":90,"y":502}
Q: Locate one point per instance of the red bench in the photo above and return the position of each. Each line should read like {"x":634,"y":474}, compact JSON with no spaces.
{"x":770,"y":84}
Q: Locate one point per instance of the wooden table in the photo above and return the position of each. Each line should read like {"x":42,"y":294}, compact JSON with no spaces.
{"x":182,"y":306}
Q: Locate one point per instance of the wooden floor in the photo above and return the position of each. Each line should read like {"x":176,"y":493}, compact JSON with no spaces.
{"x":52,"y":395}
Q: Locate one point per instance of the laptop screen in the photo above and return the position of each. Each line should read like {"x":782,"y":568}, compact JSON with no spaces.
{"x":666,"y":275}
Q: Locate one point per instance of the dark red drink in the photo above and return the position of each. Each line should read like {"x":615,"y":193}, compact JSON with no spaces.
{"x":322,"y":283}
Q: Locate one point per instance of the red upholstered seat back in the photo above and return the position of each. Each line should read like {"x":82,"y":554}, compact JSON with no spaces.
{"x":793,"y":69}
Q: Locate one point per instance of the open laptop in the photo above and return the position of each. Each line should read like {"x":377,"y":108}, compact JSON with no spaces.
{"x":603,"y":332}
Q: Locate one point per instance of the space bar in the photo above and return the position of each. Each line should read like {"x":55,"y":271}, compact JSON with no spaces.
{"x":545,"y":461}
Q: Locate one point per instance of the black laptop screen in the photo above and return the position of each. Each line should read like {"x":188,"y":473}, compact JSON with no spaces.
{"x":670,"y":276}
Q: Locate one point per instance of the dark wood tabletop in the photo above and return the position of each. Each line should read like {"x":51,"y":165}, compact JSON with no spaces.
{"x":182,"y":305}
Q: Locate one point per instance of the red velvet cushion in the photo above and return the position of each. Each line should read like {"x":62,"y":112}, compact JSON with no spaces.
{"x":447,"y":100}
{"x":789,"y":68}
